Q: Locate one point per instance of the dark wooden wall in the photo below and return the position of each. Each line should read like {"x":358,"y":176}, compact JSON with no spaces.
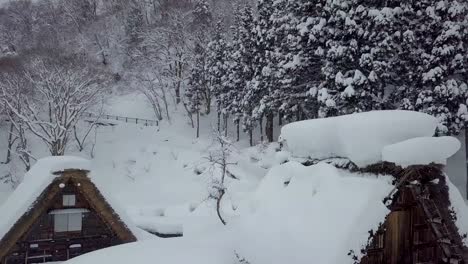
{"x":42,"y":244}
{"x":406,"y":238}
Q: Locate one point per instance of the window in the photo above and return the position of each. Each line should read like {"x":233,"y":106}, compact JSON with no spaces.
{"x":69,"y":200}
{"x":68,"y":222}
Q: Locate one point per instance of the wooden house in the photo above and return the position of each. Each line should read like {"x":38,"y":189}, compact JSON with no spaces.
{"x":421,"y":227}
{"x":69,"y":217}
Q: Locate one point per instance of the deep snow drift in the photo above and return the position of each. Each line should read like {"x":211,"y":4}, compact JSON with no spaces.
{"x":313,"y":214}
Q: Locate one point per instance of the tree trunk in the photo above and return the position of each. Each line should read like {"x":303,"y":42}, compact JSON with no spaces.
{"x":10,"y":144}
{"x":198,"y":124}
{"x":238,"y":130}
{"x":466,"y":155}
{"x":261,"y":128}
{"x":218,"y":206}
{"x":269,"y":127}
{"x":251,"y":137}
{"x":226,"y":116}
{"x":280,"y":119}
{"x":219,"y":121}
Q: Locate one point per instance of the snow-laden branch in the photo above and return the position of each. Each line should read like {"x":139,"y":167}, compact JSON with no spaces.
{"x":52,"y":103}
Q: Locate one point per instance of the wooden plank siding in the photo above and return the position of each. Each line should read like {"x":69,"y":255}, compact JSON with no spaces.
{"x":407,"y":235}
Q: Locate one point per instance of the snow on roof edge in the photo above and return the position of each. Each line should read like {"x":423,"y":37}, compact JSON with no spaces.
{"x":359,"y":137}
{"x":36,"y":180}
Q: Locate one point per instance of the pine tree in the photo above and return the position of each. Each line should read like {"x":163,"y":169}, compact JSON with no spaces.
{"x":198,"y":85}
{"x":299,"y":39}
{"x":134,"y":24}
{"x":358,"y":46}
{"x":240,"y":70}
{"x":432,"y":65}
{"x":202,"y":16}
{"x":217,"y":56}
{"x":265,"y":82}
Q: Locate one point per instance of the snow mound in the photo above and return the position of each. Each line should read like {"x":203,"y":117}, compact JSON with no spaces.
{"x":313,"y":214}
{"x":214,"y":250}
{"x":358,"y":137}
{"x":35,"y":181}
{"x":160,"y":225}
{"x":421,"y":151}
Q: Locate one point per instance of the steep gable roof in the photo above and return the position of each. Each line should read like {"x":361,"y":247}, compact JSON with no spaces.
{"x":41,"y":186}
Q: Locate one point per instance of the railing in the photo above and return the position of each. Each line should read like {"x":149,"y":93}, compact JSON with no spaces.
{"x":131,"y":120}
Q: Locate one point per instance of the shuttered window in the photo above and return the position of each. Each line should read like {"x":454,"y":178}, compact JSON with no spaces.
{"x":68,"y":222}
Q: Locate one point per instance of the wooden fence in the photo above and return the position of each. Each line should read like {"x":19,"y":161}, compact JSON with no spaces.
{"x":131,"y":120}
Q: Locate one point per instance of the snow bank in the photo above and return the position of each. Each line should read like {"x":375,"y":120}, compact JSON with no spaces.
{"x":35,"y":181}
{"x":311,"y":214}
{"x":359,"y":137}
{"x":421,"y":151}
{"x":160,"y":225}
{"x":215,"y":250}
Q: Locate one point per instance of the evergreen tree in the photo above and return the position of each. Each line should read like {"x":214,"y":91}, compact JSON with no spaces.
{"x":299,"y":38}
{"x":198,"y":85}
{"x":134,"y":24}
{"x":217,"y":56}
{"x":264,"y":84}
{"x":240,"y":70}
{"x":432,"y":61}
{"x":202,"y":16}
{"x":348,"y":70}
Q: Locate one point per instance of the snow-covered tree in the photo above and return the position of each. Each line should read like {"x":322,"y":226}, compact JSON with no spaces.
{"x":346,"y":87}
{"x":198,"y":92}
{"x":202,"y":16}
{"x":217,"y":54}
{"x":59,"y":97}
{"x":245,"y":97}
{"x":432,"y":61}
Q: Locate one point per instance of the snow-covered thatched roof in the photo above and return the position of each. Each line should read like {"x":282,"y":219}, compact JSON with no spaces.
{"x":27,"y":202}
{"x":358,"y":137}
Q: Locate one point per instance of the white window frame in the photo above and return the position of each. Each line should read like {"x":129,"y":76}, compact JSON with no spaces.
{"x":68,"y":220}
{"x":69,"y":200}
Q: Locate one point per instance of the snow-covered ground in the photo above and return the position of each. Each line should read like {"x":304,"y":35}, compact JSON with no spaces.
{"x":159,"y":174}
{"x":275,"y":212}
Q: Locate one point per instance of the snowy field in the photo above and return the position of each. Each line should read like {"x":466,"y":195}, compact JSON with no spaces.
{"x":159,"y":174}
{"x":162,"y":179}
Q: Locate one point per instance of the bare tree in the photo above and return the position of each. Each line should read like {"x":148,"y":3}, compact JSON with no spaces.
{"x":93,"y":123}
{"x":218,"y":157}
{"x":61,"y":95}
{"x":155,"y":88}
{"x":18,"y":88}
{"x":169,"y":46}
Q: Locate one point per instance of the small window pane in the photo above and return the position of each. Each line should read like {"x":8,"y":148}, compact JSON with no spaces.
{"x":74,"y":222}
{"x":60,"y":223}
{"x":69,"y":200}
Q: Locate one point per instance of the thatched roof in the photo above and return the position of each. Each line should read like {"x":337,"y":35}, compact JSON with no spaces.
{"x":17,"y":223}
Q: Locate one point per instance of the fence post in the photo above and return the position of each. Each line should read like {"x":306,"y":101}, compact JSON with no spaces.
{"x":136,"y":120}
